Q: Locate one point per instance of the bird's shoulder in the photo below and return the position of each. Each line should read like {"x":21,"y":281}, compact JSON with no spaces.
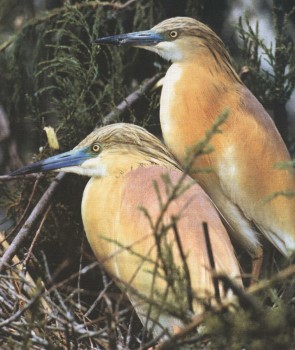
{"x":152,"y":187}
{"x":147,"y":183}
{"x":250,"y":107}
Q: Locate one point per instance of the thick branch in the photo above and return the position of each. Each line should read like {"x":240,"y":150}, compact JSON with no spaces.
{"x":45,"y":200}
{"x":130,"y":100}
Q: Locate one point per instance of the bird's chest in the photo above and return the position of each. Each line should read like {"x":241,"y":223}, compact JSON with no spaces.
{"x":100,"y":205}
{"x":188,"y":108}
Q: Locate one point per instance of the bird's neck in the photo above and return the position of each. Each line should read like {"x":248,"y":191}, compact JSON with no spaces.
{"x":211,"y":56}
{"x":127,"y":161}
{"x":199,"y":87}
{"x":119,"y":167}
{"x":212,"y":62}
{"x":197,"y":91}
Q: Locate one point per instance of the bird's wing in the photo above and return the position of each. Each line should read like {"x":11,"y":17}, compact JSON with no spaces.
{"x":248,"y":176}
{"x":193,"y":207}
{"x":119,"y":215}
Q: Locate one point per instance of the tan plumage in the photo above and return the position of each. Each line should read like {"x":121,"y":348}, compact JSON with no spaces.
{"x":125,"y":162}
{"x":199,"y":85}
{"x":141,"y":160}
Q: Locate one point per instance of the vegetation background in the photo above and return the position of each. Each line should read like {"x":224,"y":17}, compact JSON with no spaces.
{"x":52,"y":75}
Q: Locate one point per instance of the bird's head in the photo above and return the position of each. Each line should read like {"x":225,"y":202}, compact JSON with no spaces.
{"x":175,"y":39}
{"x":110,"y":150}
{"x":81,"y":160}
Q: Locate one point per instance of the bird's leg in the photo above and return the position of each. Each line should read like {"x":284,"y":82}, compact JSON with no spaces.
{"x":176,"y":329}
{"x":256,"y":265}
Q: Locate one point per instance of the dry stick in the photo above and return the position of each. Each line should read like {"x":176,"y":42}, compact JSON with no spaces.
{"x":185,"y":266}
{"x":36,"y":237}
{"x":130,"y":100}
{"x":279,"y":277}
{"x":246,"y":300}
{"x":24,"y":214}
{"x":196,"y":322}
{"x":27,"y":177}
{"x":28,"y":279}
{"x":24,"y":232}
{"x":170,"y":343}
{"x":21,"y":311}
{"x":211,"y":261}
{"x":45,"y":200}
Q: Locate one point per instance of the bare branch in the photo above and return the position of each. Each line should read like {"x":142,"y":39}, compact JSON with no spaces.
{"x":18,"y":177}
{"x":130,"y":100}
{"x":185,"y":265}
{"x":211,"y":260}
{"x":39,"y":209}
{"x":279,"y":277}
{"x":36,"y":236}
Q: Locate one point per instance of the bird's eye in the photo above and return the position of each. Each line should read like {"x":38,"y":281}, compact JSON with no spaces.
{"x":95,"y":148}
{"x":173,"y":34}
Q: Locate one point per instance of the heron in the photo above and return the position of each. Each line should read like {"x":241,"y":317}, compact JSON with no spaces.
{"x":250,"y":191}
{"x":143,"y":217}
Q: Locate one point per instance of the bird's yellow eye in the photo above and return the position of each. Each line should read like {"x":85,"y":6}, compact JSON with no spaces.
{"x":173,"y":34}
{"x":95,"y":148}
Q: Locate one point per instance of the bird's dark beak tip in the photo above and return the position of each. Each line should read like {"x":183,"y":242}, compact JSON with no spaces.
{"x":14,"y":173}
{"x":107,"y":41}
{"x":63,"y":160}
{"x":22,"y":171}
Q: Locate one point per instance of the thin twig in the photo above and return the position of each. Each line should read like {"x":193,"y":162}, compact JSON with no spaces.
{"x":170,"y":343}
{"x":279,"y":277}
{"x":79,"y":277}
{"x":185,"y":265}
{"x":26,"y":209}
{"x":246,"y":300}
{"x":102,"y":292}
{"x":130,"y":100}
{"x":119,"y":5}
{"x":36,"y":237}
{"x":24,"y":232}
{"x":20,"y":177}
{"x":211,"y":261}
{"x":20,"y":312}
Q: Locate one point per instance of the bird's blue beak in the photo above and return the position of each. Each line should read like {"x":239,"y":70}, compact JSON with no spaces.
{"x":144,"y":38}
{"x":63,"y":160}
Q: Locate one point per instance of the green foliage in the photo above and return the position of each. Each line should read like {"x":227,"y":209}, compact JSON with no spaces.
{"x":250,"y":330}
{"x":70,"y":85}
{"x":54,"y":75}
{"x":274,"y":86}
{"x":278,"y":83}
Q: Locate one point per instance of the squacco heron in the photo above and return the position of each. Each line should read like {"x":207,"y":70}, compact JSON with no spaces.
{"x":199,"y":85}
{"x":139,"y":211}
